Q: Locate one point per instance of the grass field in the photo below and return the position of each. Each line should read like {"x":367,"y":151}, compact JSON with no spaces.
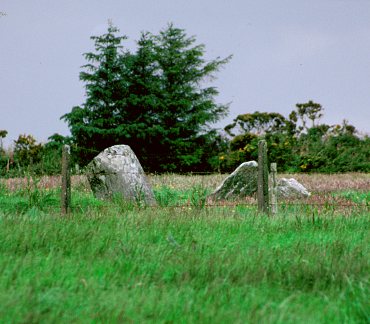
{"x":183,"y":262}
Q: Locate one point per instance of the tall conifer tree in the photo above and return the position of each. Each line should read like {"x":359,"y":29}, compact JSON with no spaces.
{"x":153,"y":100}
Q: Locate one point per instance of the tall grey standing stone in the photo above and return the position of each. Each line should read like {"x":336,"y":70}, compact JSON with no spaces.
{"x":241,"y":183}
{"x":117,"y":170}
{"x":291,"y":188}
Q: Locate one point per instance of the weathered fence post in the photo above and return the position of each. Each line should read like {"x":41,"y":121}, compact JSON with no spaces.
{"x":66,"y":181}
{"x":273,"y":188}
{"x":263,"y":178}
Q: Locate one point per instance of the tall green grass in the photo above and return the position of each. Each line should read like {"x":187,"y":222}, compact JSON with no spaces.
{"x":119,"y":262}
{"x":359,"y":197}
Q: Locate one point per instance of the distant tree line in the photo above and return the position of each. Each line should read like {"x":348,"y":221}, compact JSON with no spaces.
{"x":295,"y":145}
{"x":155,"y":100}
{"x":295,"y":148}
{"x":27,"y":156}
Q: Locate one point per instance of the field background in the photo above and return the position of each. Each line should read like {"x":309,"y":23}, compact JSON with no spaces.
{"x":182,"y":261}
{"x":314,"y":182}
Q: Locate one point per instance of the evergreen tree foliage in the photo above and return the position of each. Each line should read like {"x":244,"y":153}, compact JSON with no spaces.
{"x":97,"y":123}
{"x":52,"y":153}
{"x":153,"y":100}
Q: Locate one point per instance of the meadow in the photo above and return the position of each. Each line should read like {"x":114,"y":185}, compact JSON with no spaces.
{"x":185,"y":261}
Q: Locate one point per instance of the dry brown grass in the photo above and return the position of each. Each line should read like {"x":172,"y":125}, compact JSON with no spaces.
{"x":183,"y":182}
{"x":45,"y":182}
{"x":316,"y":183}
{"x":319,"y":183}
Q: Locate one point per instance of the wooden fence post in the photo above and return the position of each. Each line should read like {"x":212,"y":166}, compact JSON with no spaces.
{"x":273,"y":188}
{"x":66,"y":181}
{"x":263,"y":178}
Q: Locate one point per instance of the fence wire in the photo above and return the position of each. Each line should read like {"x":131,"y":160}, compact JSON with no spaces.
{"x":328,"y":202}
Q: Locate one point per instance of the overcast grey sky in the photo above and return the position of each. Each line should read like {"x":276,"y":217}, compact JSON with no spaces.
{"x":284,"y":52}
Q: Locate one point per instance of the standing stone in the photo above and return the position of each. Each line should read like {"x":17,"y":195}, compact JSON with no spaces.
{"x":117,"y":170}
{"x":291,"y":188}
{"x":241,"y":183}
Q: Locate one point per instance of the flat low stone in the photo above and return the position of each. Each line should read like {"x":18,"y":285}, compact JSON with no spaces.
{"x":117,"y":171}
{"x":291,"y":188}
{"x":241,"y":183}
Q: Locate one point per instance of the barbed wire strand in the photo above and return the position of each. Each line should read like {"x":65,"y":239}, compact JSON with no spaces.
{"x":241,"y":204}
